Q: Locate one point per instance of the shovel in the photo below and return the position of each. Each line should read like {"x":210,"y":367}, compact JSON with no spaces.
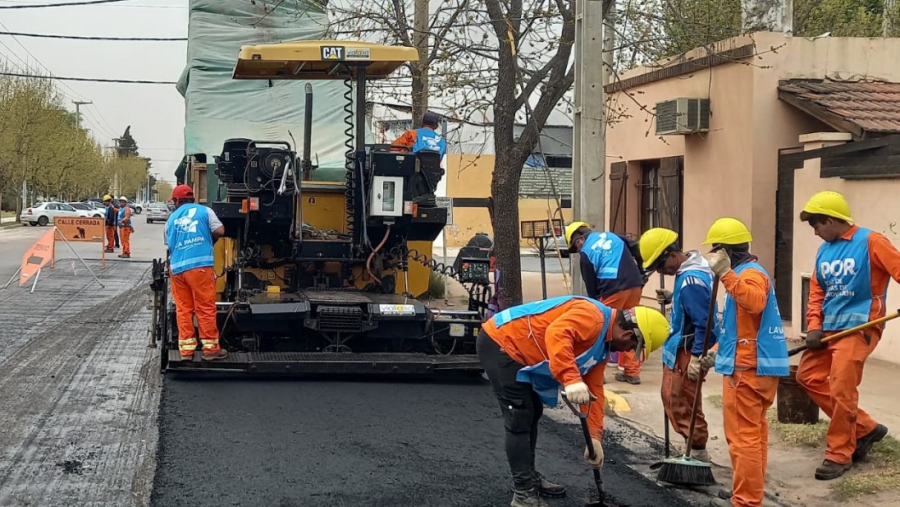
{"x":848,"y":332}
{"x":598,"y":480}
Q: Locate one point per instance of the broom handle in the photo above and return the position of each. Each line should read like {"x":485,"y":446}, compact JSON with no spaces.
{"x":662,"y":308}
{"x":706,"y":333}
{"x":848,"y":332}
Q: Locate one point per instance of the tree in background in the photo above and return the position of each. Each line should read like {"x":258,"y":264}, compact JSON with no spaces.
{"x":126,"y":146}
{"x":163,"y":191}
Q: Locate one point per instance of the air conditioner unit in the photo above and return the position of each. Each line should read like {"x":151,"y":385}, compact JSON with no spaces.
{"x":682,"y":116}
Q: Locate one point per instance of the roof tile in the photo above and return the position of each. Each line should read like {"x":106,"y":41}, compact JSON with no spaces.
{"x":873,"y":106}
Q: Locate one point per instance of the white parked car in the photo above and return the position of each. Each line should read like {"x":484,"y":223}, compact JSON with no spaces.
{"x":44,"y":213}
{"x":87,"y":210}
{"x":157,"y":212}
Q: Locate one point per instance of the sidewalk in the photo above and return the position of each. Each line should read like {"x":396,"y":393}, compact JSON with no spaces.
{"x":794,"y":450}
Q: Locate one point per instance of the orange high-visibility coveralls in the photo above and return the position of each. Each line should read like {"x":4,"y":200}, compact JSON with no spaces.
{"x":194,"y":292}
{"x":746,"y":397}
{"x":559,"y":335}
{"x":125,"y":232}
{"x":832,"y":375}
{"x":626,"y":300}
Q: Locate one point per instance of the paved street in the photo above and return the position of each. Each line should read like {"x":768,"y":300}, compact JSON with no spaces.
{"x":85,"y":406}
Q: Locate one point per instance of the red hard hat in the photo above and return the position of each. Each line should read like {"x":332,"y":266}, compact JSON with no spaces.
{"x":183,"y":192}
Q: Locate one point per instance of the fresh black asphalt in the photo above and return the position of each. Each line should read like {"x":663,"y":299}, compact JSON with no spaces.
{"x":239,"y":441}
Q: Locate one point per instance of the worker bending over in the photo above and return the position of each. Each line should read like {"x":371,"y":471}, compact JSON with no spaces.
{"x":124,"y":223}
{"x":848,"y":288}
{"x":751,"y":354}
{"x":529,"y":351}
{"x":424,"y":138}
{"x":690,"y":310}
{"x":190,"y":235}
{"x":610,"y":268}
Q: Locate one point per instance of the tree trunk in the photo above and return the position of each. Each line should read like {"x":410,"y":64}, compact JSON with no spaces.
{"x":890,"y":13}
{"x":420,"y":69}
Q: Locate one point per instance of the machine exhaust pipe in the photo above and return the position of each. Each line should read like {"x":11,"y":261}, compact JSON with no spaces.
{"x":307,"y":134}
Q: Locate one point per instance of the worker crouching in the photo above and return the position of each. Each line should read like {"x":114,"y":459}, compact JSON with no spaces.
{"x":751,"y":354}
{"x":847,"y":289}
{"x":190,"y":234}
{"x":690,"y":309}
{"x":529,"y":351}
{"x":610,"y":269}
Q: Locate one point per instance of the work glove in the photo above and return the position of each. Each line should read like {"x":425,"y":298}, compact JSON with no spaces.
{"x":694,"y":369}
{"x":709,"y":360}
{"x":597,"y":462}
{"x":814,"y":340}
{"x":578,"y":393}
{"x":719,"y":262}
{"x":663,"y":296}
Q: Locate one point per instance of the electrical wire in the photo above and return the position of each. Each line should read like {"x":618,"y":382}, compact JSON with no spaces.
{"x":90,"y":80}
{"x":81,"y":37}
{"x":70,"y":4}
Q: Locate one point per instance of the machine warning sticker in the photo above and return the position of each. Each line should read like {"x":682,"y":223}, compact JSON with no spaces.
{"x":332,"y":52}
{"x":396,"y":309}
{"x":358,"y":54}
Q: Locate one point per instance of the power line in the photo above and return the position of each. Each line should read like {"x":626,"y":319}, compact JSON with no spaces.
{"x":79,"y":37}
{"x":36,"y":6}
{"x":90,"y":80}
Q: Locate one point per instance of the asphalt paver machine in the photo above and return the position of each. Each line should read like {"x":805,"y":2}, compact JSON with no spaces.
{"x":318,"y":276}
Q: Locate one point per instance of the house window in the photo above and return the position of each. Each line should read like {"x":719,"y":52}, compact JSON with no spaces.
{"x":661,"y":184}
{"x":804,"y":302}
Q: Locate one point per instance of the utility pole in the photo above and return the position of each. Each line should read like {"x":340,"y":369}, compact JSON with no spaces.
{"x":78,"y":105}
{"x":890,"y":11}
{"x":593,"y":34}
{"x":420,"y":74}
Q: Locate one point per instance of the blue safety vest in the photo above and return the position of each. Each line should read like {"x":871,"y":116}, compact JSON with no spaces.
{"x":539,"y":375}
{"x":604,"y":250}
{"x":771,"y":349}
{"x":676,"y":339}
{"x":189,"y":238}
{"x":429,"y":140}
{"x":122,"y":217}
{"x":844,"y":271}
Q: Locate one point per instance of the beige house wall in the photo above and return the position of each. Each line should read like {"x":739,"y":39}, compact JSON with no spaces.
{"x":470,"y":176}
{"x":873,"y":205}
{"x":732,"y":169}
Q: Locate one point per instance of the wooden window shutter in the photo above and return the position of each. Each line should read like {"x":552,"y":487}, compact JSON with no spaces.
{"x":618,"y":177}
{"x":670,"y":182}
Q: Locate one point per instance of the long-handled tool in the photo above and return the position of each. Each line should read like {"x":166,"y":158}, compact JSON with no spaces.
{"x":848,"y":332}
{"x":662,"y":309}
{"x":598,"y":480}
{"x":687,"y":470}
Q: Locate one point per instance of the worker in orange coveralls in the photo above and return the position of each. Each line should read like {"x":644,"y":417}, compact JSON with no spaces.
{"x":610,"y":268}
{"x":424,"y":138}
{"x":110,"y":219}
{"x":124,"y":223}
{"x":528,"y":351}
{"x":190,"y":234}
{"x":751,"y":354}
{"x":848,"y":288}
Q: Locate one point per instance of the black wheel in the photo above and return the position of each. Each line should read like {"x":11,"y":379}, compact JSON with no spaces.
{"x":149,"y":221}
{"x":43,"y":221}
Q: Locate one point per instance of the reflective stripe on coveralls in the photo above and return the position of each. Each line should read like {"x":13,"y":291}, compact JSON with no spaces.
{"x":194,"y":292}
{"x":605,"y":253}
{"x":625,"y":300}
{"x":746,"y":394}
{"x":831,"y":376}
{"x":539,"y":375}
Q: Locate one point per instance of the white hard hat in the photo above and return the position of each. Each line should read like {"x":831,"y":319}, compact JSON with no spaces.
{"x":123,"y":198}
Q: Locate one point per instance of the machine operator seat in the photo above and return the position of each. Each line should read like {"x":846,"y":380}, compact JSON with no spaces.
{"x":428,"y":174}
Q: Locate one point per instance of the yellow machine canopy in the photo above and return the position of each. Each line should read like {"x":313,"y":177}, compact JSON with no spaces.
{"x":313,"y":60}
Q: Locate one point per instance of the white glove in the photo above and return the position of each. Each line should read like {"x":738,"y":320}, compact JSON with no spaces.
{"x":719,"y":262}
{"x":578,"y":393}
{"x":694,"y":369}
{"x":709,"y":360}
{"x":597,"y":462}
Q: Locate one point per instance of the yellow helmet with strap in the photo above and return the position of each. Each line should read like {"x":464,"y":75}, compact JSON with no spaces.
{"x":570,"y":230}
{"x":652,"y":330}
{"x":829,"y":203}
{"x":107,"y":197}
{"x":654,"y":242}
{"x":728,"y":231}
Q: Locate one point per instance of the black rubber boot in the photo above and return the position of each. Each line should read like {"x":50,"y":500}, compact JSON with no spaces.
{"x":529,"y":498}
{"x":547,"y":488}
{"x":830,"y":470}
{"x":718,"y":502}
{"x":621,"y":377}
{"x":864,"y":444}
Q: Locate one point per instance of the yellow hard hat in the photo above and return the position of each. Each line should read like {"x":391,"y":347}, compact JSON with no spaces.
{"x":830,"y":204}
{"x":107,"y":197}
{"x":570,"y":230}
{"x":654,"y":242}
{"x":654,"y":330}
{"x":728,"y":231}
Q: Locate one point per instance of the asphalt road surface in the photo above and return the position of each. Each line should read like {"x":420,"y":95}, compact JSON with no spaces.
{"x":292,"y":443}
